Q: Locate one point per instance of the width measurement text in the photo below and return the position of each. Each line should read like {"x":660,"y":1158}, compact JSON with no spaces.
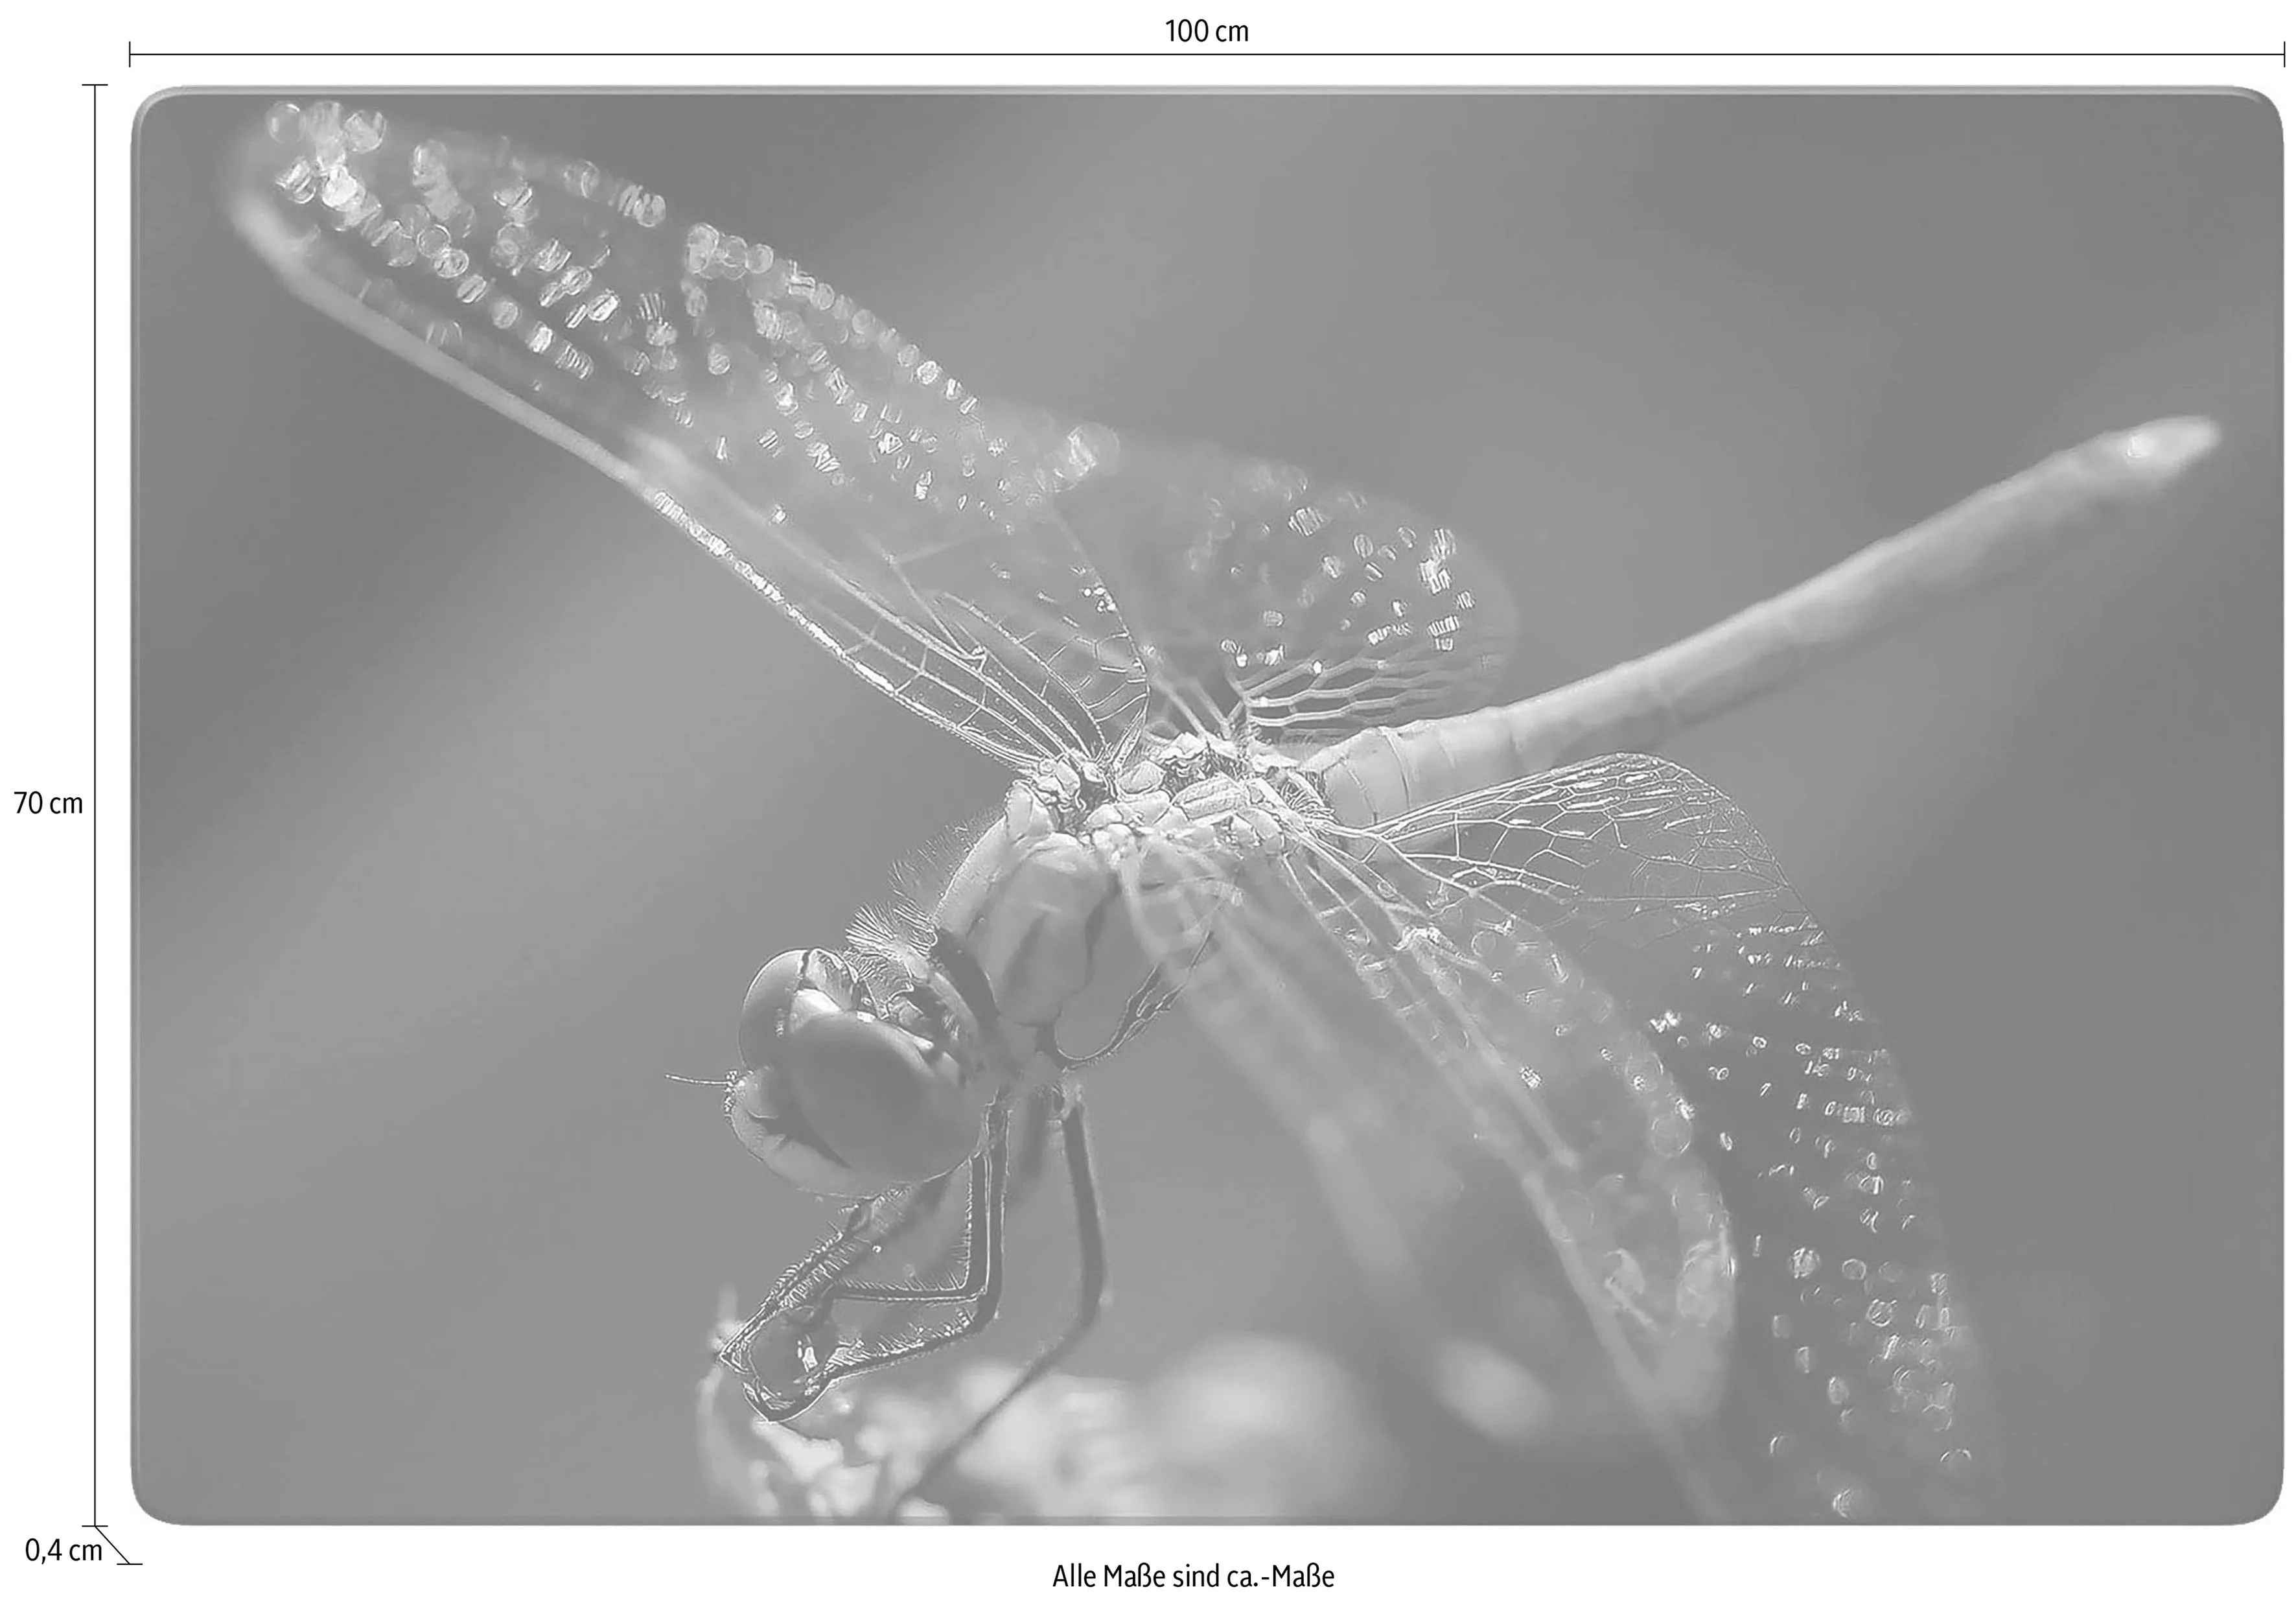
{"x":1184,"y":30}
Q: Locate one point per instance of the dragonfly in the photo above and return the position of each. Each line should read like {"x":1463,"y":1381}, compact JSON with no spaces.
{"x":1590,"y":1095}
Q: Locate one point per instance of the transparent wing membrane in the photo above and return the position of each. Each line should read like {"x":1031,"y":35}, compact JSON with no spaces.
{"x":1319,"y":609}
{"x":1855,"y":1384}
{"x":908,"y":525}
{"x":1412,"y":1040}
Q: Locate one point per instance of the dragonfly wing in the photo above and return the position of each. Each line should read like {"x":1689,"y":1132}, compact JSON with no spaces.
{"x":1422,"y":1056}
{"x":1320,"y":610}
{"x":1857,"y":1374}
{"x":910,"y":527}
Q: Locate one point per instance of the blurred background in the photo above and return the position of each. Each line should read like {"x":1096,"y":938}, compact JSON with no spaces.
{"x":469,"y":798}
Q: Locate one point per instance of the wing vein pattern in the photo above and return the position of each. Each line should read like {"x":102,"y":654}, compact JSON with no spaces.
{"x":910,"y":527}
{"x":1855,"y":1380}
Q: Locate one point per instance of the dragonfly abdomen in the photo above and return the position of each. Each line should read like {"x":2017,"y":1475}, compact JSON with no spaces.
{"x":1378,"y":774}
{"x":1887,"y":586}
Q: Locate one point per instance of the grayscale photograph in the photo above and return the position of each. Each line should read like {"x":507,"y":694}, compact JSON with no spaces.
{"x":1494,"y":808}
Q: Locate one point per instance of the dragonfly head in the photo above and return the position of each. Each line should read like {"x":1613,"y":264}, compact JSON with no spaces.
{"x":836,"y":1098}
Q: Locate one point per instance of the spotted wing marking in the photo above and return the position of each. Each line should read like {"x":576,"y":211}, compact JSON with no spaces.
{"x":910,"y":528}
{"x":1858,"y":1383}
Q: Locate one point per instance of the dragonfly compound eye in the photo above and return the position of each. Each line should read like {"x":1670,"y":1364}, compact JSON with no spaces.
{"x":836,"y":1101}
{"x":886,"y":1104}
{"x":794,"y":987}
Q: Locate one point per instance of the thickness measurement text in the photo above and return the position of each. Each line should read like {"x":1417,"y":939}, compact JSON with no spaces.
{"x":56,"y":1549}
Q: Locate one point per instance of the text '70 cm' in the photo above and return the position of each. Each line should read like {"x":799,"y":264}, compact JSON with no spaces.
{"x":41,"y":802}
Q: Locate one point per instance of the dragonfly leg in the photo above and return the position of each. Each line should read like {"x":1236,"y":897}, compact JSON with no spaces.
{"x":810,"y":1291}
{"x":1092,"y":1298}
{"x":1025,"y":1167}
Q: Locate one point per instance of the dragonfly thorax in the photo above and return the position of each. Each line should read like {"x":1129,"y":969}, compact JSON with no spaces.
{"x":1028,"y":909}
{"x":1036,"y":905}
